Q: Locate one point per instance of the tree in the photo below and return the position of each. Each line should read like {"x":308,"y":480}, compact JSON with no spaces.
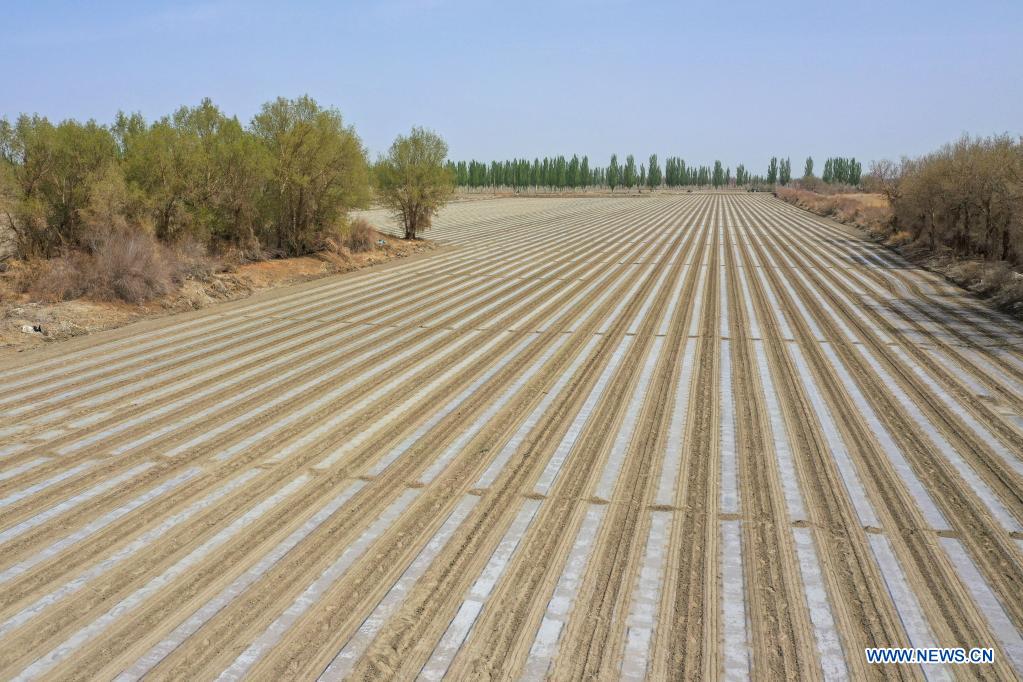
{"x":52,"y":167}
{"x":653,"y":172}
{"x":785,"y":171}
{"x":808,"y":168}
{"x":8,"y":209}
{"x":855,"y":170}
{"x":772,"y":171}
{"x":318,"y":170}
{"x":718,"y":178}
{"x":108,"y":204}
{"x":965,"y":197}
{"x":741,"y":177}
{"x":629,"y":175}
{"x":884,"y":178}
{"x":412,"y":180}
{"x":613,"y":172}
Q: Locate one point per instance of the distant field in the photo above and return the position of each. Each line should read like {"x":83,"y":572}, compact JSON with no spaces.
{"x":685,"y":437}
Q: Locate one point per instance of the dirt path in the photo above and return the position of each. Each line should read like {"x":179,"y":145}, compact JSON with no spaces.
{"x":670,"y":438}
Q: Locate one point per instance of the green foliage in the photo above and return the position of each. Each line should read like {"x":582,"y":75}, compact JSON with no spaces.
{"x":741,"y":175}
{"x":808,"y":168}
{"x":613,"y":172}
{"x":558,"y":173}
{"x":772,"y":171}
{"x":674,"y":169}
{"x":629,"y":175}
{"x":318,"y":170}
{"x":197,"y":174}
{"x":718,"y":178}
{"x":51,"y":167}
{"x":842,"y":171}
{"x":412,"y":180}
{"x":654,"y":177}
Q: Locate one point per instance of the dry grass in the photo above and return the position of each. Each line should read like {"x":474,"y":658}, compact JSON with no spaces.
{"x":127,"y":266}
{"x":359,"y":236}
{"x":134,"y":267}
{"x":868,"y":211}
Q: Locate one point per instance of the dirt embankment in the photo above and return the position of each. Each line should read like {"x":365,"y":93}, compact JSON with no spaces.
{"x":26,"y":323}
{"x":994,"y":282}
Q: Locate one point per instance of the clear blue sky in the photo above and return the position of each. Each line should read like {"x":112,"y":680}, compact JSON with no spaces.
{"x":735,"y":80}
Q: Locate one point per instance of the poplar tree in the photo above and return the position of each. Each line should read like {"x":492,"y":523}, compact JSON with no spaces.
{"x":654,"y":173}
{"x":741,"y":178}
{"x":808,"y":168}
{"x":772,"y":171}
{"x":629,"y":174}
{"x":855,"y":171}
{"x":613,"y":172}
{"x":573,"y":172}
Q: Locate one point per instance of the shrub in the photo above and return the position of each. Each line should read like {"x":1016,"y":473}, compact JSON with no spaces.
{"x":63,"y":278}
{"x":1010,"y":297}
{"x":129,"y":266}
{"x":357,"y":236}
{"x":188,"y":258}
{"x":133,"y":267}
{"x":965,"y":197}
{"x":360,"y":236}
{"x":898,"y":239}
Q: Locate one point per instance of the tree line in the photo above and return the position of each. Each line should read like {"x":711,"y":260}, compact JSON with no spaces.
{"x":966,"y":198}
{"x":278,"y":183}
{"x":577,"y":173}
{"x":841,"y":171}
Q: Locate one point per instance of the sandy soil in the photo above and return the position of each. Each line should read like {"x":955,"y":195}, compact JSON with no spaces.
{"x":62,"y":320}
{"x":685,"y":438}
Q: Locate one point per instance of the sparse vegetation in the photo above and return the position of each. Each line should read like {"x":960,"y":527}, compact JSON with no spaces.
{"x":868,"y":211}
